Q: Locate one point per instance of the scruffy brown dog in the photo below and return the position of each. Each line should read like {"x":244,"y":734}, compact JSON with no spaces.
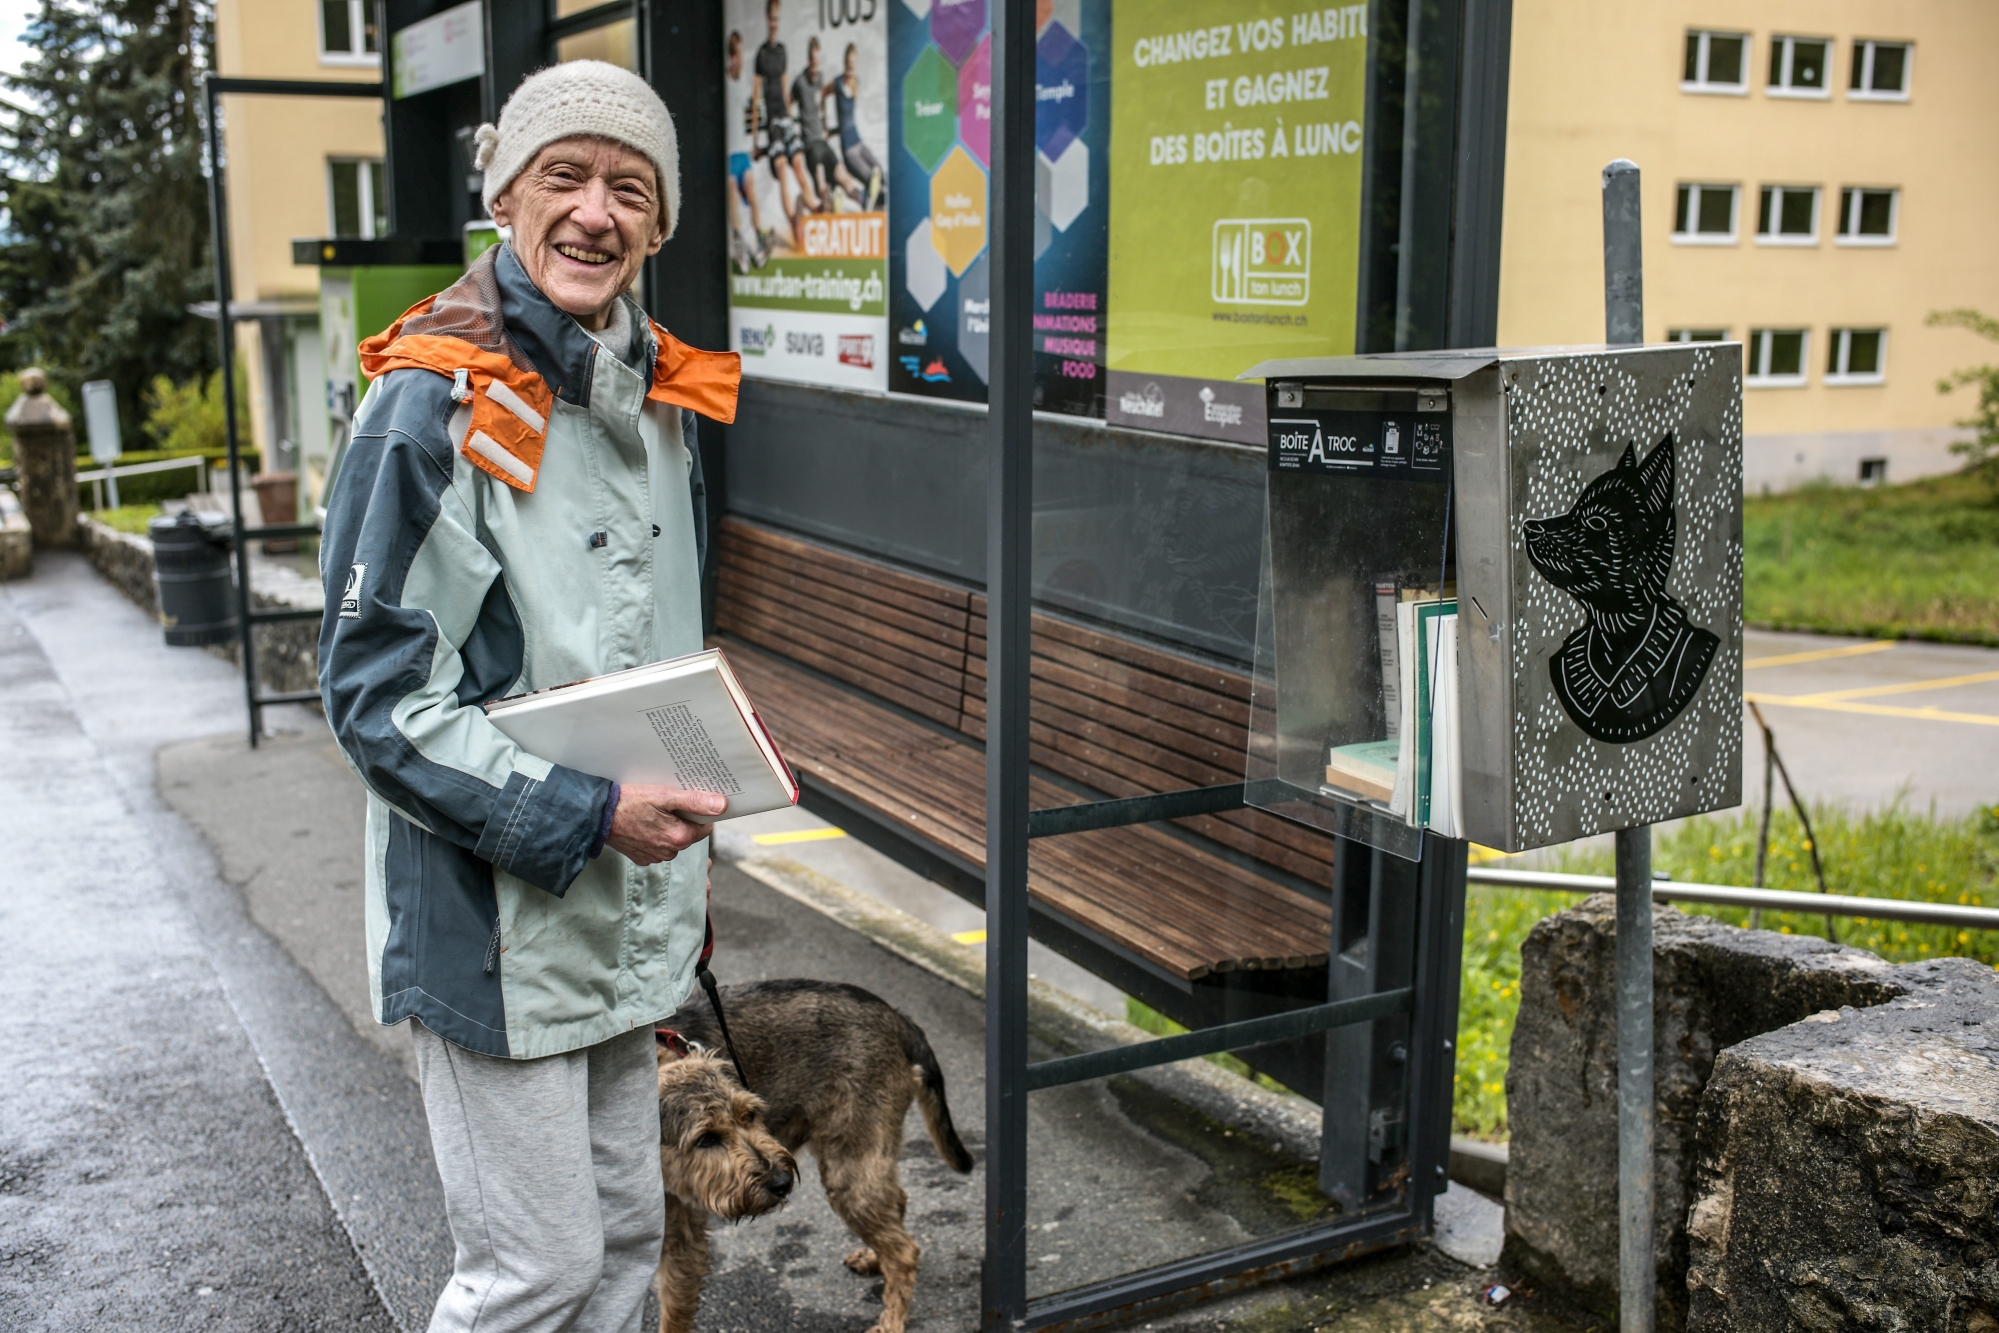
{"x":834,"y":1068}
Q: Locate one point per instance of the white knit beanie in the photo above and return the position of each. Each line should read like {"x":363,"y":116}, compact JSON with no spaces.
{"x":587,"y":97}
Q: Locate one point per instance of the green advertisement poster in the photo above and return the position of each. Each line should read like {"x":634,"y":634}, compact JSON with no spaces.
{"x":1235,"y":203}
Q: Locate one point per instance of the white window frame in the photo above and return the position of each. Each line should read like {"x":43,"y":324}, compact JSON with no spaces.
{"x":364,"y":192}
{"x":1863,"y":61}
{"x":1839,"y":342}
{"x":1849,"y":213}
{"x":1756,"y":352}
{"x":1776,"y":214}
{"x":1734,"y":233}
{"x":1701,"y":83}
{"x":1686,"y":335}
{"x":357,"y":19}
{"x":1785,"y":49}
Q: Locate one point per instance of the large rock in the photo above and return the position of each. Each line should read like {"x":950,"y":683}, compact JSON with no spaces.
{"x":1714,"y":985}
{"x":1848,"y":1173}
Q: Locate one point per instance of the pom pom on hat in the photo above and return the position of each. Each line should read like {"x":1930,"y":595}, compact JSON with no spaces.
{"x":580,"y":97}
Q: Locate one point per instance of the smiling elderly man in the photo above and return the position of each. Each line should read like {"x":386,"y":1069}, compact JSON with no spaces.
{"x":520,"y":507}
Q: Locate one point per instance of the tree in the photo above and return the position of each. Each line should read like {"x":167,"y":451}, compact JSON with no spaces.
{"x":1981,"y":451}
{"x":106,"y":237}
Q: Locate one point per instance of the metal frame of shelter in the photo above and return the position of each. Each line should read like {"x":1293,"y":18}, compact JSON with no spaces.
{"x":1432,"y":176}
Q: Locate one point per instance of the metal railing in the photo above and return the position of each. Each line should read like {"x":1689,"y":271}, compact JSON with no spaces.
{"x":111,"y":472}
{"x":1769,"y":900}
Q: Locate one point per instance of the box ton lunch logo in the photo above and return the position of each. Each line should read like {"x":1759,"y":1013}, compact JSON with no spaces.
{"x":1262,"y":261}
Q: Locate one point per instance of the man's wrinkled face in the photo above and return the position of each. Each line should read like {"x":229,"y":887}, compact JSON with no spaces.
{"x":585,"y":214}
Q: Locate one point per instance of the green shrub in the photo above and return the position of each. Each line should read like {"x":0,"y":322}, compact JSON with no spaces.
{"x":129,"y":518}
{"x":186,"y":418}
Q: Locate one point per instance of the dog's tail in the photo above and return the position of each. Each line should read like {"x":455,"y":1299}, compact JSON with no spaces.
{"x":930,"y":1096}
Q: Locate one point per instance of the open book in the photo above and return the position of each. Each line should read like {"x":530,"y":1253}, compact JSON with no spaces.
{"x":685,"y":721}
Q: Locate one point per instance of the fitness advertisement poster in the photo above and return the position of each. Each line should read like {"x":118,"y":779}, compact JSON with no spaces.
{"x":806,"y":113}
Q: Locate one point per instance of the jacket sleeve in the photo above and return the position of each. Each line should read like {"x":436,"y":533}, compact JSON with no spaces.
{"x":419,"y":632}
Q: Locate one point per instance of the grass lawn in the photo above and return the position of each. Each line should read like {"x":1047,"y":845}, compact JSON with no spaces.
{"x":1918,"y":561}
{"x":1889,"y":854}
{"x":127,"y":518}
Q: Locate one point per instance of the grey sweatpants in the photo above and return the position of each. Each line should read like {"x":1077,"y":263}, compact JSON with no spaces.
{"x":551,"y":1183}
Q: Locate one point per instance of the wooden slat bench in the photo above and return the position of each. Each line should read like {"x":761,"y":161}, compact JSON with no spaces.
{"x":872,"y":679}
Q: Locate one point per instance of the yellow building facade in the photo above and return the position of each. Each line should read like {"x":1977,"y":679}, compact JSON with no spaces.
{"x":1819,"y":176}
{"x":297,"y":167}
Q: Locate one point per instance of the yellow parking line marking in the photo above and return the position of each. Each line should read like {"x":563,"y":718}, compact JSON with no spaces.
{"x":1819,"y":654}
{"x":1869,"y":691}
{"x":797,"y":835}
{"x":1874,"y":710}
{"x":970,"y":937}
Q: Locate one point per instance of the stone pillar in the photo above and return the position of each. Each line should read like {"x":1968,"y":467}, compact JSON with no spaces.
{"x":1849,"y":1166}
{"x":1713,"y":985}
{"x":45,"y":453}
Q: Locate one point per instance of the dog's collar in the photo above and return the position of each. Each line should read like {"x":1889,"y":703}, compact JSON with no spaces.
{"x":681,"y":1046}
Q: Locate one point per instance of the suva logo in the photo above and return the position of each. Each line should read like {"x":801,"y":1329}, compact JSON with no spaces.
{"x":757,"y":342}
{"x":1150,"y":402}
{"x":1262,"y":261}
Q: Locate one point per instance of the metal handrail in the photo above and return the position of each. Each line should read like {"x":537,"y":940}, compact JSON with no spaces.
{"x":199,"y":462}
{"x":1770,"y":900}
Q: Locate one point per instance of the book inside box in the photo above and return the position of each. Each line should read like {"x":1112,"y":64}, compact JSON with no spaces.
{"x":1354,"y":717}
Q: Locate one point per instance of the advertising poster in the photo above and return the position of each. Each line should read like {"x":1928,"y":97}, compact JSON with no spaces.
{"x":940,"y":55}
{"x":806,"y":112}
{"x":1235,"y":226}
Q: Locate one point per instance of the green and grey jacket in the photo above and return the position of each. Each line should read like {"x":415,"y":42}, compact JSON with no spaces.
{"x":517,"y":508}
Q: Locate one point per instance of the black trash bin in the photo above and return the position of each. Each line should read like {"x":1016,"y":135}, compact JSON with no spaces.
{"x":191,"y":571}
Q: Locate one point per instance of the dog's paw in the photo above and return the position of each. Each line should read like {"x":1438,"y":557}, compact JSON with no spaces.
{"x":864,"y":1261}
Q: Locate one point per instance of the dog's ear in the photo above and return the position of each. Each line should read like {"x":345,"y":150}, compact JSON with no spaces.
{"x":1655,"y":475}
{"x":1628,"y":458}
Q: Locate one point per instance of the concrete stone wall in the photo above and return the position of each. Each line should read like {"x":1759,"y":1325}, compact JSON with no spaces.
{"x":287,"y":654}
{"x":1714,"y":985}
{"x":1848,"y":1168}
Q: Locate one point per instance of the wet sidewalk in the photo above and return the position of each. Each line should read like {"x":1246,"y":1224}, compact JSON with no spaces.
{"x":202,"y":1074}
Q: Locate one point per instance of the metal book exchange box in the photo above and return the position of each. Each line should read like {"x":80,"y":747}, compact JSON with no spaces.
{"x":1502,"y":593}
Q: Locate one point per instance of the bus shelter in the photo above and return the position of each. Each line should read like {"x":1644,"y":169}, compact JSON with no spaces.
{"x":991,"y":520}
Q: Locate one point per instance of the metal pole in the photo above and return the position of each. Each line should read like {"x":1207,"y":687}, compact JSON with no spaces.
{"x":1637,"y":1274}
{"x":1009,"y":531}
{"x":218,"y":214}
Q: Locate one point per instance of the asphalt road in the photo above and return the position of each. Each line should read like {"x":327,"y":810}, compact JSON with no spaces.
{"x":1863,"y":723}
{"x":148,"y":1177}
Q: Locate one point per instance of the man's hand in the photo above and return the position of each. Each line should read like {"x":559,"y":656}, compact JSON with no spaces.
{"x":656,"y":823}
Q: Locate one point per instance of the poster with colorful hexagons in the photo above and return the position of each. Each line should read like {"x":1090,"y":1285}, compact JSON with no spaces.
{"x":805,"y":115}
{"x":940,"y":58}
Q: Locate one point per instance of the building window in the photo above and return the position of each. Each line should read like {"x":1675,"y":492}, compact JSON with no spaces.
{"x":1696,"y":335}
{"x":1775,"y":358}
{"x":1705,"y":215}
{"x":1854,"y":356}
{"x":1868,"y":217}
{"x":1788,"y":215}
{"x":1798,"y":66}
{"x":1717,"y":62}
{"x":357,"y":201}
{"x":347,"y":32}
{"x":1873,"y":471}
{"x":1880,"y":72}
